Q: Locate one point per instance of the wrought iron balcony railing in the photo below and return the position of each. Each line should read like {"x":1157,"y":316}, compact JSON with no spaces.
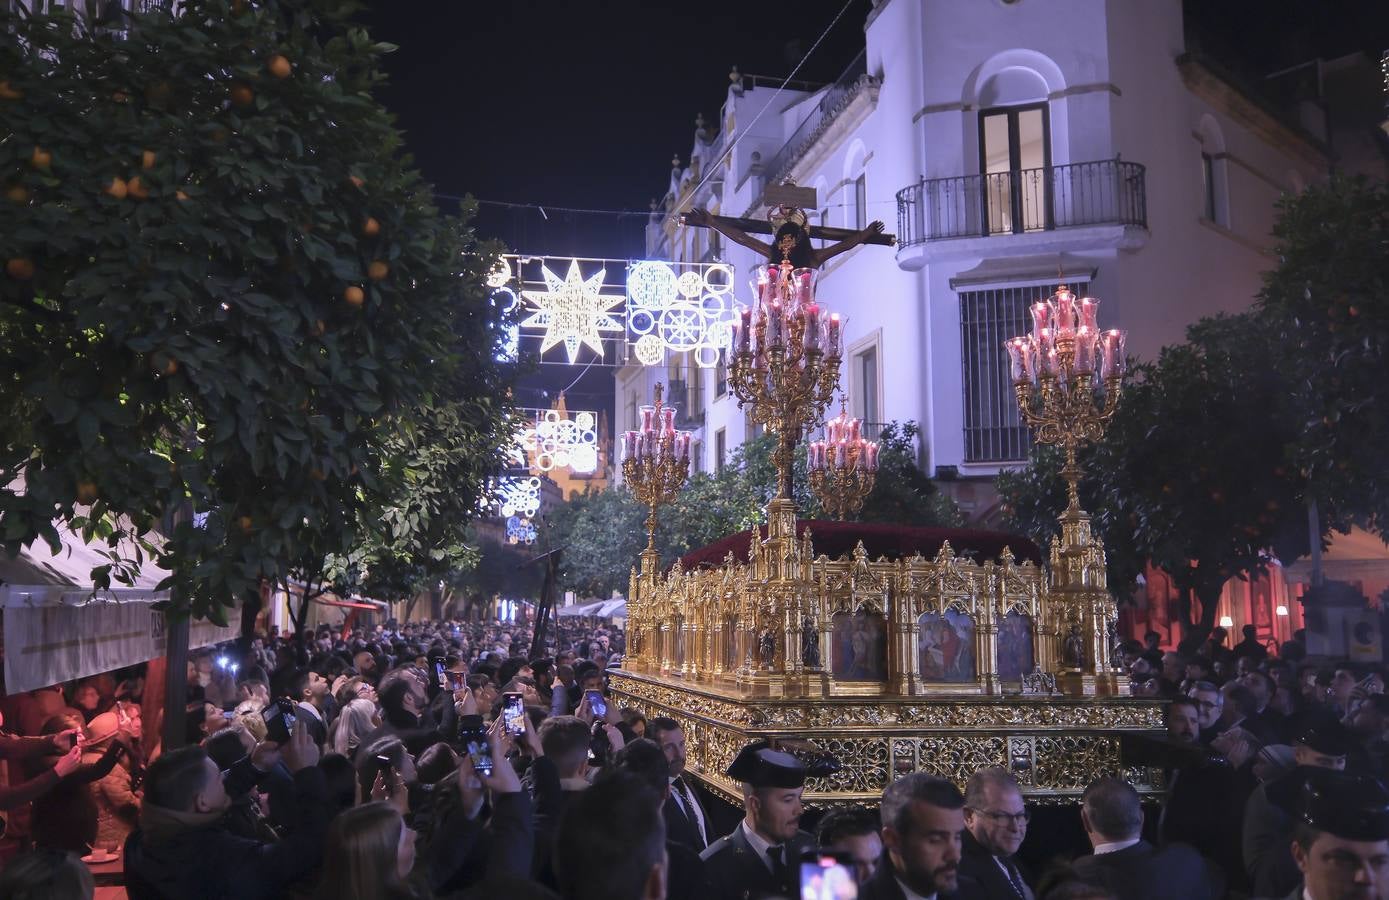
{"x":1104,"y":192}
{"x":837,"y":97}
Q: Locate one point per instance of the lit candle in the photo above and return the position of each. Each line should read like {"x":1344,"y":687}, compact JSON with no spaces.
{"x":834,"y":335}
{"x":776,"y":325}
{"x":1112,"y":360}
{"x":647,"y":412}
{"x":744,"y":331}
{"x":1089,"y":314}
{"x":668,"y":419}
{"x":1065,"y":314}
{"x":629,"y":445}
{"x":1017,"y":352}
{"x":873,"y":456}
{"x":1085,"y":350}
{"x":854,"y":433}
{"x":1041,"y":316}
{"x":812,"y":328}
{"x":1051,"y":362}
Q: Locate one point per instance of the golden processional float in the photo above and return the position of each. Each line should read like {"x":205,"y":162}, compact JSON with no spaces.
{"x":933,"y":662}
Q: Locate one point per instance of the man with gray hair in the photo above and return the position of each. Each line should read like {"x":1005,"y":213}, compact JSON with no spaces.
{"x":995,"y":825}
{"x":1129,"y":867}
{"x":923,"y":823}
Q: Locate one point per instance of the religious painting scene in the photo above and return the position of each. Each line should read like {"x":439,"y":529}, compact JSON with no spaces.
{"x":860,"y":647}
{"x":1015,"y":653}
{"x":945,"y":647}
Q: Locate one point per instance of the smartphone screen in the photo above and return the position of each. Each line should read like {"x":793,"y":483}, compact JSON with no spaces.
{"x":596,"y":704}
{"x":478,"y":750}
{"x":472,"y":740}
{"x":440,"y":677}
{"x":514,"y":714}
{"x":457,"y":681}
{"x":279,"y":719}
{"x":827,"y":876}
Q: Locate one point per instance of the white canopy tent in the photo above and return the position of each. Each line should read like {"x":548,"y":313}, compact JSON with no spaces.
{"x":57,"y":627}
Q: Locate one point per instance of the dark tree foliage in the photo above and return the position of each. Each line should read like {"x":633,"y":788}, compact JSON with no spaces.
{"x":228,"y":294}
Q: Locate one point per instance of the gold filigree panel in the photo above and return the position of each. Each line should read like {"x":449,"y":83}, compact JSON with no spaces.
{"x":864,"y":766}
{"x":1070,"y":762}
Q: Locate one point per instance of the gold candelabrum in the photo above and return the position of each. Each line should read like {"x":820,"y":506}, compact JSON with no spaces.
{"x":656,"y":461}
{"x":1067,"y":377}
{"x":786,"y":354}
{"x":842,"y":467}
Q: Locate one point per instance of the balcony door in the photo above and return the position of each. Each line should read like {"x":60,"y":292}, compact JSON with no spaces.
{"x":1014,"y":158}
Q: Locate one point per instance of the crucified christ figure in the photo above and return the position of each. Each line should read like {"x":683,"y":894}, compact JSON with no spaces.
{"x":792,"y":238}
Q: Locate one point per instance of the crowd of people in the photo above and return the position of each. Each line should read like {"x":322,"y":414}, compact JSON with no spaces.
{"x":450,"y":759}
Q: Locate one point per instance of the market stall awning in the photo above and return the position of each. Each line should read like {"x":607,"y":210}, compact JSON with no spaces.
{"x":57,"y":627}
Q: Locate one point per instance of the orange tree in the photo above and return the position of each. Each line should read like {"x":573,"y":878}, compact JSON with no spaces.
{"x":1193,"y":473}
{"x":228,"y":294}
{"x":1328,"y":304}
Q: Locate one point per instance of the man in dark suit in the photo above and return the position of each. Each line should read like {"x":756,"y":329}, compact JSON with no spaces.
{"x":1129,"y":867}
{"x":923,"y":824}
{"x":684,"y":869}
{"x":1341,"y":845}
{"x":995,"y":825}
{"x":761,"y":858}
{"x":686,"y":822}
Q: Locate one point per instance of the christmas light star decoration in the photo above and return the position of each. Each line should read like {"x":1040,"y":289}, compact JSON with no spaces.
{"x":689,"y":312}
{"x":573,"y":311}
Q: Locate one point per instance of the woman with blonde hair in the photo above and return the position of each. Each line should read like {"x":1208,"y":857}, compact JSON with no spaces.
{"x":248,"y":716}
{"x":356,"y":720}
{"x":369,"y":855}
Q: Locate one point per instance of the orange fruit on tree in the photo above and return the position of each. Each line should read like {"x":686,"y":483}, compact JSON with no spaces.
{"x":9,"y":93}
{"x":117,"y":188}
{"x":20,"y":268}
{"x":378,"y":270}
{"x":147,"y":159}
{"x":245,"y":522}
{"x":180,"y":195}
{"x":87,"y":493}
{"x":242,"y":95}
{"x":356,"y":181}
{"x":279,"y":66}
{"x":371,"y":227}
{"x":40,"y":158}
{"x":137,"y":189}
{"x":120,"y":97}
{"x":354,"y":295}
{"x":17,"y":193}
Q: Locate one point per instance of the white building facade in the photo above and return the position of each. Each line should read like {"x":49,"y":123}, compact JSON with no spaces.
{"x":1006,"y":143}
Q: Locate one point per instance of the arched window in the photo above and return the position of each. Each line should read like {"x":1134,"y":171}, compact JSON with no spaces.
{"x":855,"y":191}
{"x":1015,"y":151}
{"x":1215,"y":197}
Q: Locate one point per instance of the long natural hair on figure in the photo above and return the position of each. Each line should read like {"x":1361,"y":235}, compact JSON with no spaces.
{"x":802,"y":255}
{"x":360,"y":860}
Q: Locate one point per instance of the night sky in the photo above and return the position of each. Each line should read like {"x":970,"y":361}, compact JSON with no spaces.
{"x":582,"y":104}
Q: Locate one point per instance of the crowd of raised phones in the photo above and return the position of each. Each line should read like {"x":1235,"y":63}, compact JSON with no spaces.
{"x":448,"y":759}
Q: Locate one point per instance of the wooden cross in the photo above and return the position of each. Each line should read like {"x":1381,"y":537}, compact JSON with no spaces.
{"x":803,"y":198}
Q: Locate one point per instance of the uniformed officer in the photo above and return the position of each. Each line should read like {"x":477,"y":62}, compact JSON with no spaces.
{"x":761,"y":858}
{"x":1341,"y":842}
